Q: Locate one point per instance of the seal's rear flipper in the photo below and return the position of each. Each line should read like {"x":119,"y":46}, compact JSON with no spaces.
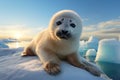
{"x":28,"y":52}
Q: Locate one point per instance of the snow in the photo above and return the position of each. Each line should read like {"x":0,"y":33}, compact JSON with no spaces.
{"x":109,"y":51}
{"x":91,"y":52}
{"x":15,"y":67}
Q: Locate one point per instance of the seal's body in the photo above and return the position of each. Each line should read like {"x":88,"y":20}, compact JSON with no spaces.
{"x":60,"y":41}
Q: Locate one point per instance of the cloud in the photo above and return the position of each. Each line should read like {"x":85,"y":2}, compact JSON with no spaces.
{"x":109,"y":24}
{"x":104,"y":29}
{"x":89,"y":28}
{"x":114,"y":30}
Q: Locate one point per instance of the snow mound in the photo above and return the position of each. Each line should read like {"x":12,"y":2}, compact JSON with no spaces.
{"x":108,"y":51}
{"x":91,"y":52}
{"x":92,"y":43}
{"x":15,"y":67}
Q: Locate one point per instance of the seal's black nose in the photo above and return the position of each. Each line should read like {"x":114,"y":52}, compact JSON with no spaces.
{"x":64,"y":32}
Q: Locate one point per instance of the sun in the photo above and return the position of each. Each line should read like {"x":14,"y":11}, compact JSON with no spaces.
{"x":17,"y":35}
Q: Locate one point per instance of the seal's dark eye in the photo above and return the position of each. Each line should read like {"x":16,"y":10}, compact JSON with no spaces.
{"x":70,"y":20}
{"x":58,"y":23}
{"x":73,"y":25}
{"x":62,"y":19}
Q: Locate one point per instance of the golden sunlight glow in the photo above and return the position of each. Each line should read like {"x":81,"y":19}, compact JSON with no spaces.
{"x":17,"y":35}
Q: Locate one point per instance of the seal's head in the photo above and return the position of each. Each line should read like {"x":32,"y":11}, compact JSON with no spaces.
{"x":65,"y":24}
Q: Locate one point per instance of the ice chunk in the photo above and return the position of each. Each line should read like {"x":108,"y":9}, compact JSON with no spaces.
{"x":93,"y":39}
{"x":8,"y":40}
{"x":91,"y":52}
{"x":2,"y":45}
{"x":82,"y":48}
{"x":92,"y":43}
{"x":109,"y":51}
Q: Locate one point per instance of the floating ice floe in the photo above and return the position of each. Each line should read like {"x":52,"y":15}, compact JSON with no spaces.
{"x":108,"y":51}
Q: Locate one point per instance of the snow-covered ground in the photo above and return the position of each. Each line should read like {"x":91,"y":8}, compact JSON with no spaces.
{"x":15,"y":67}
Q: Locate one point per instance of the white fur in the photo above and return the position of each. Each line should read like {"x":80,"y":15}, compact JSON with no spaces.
{"x":64,"y":47}
{"x":49,"y":48}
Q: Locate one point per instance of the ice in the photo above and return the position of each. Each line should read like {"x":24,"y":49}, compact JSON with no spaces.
{"x":82,"y":48}
{"x":93,"y":39}
{"x":4,"y":41}
{"x":91,"y":52}
{"x":108,"y":51}
{"x":8,"y":40}
{"x":3,"y":45}
{"x":15,"y":67}
{"x":92,"y":43}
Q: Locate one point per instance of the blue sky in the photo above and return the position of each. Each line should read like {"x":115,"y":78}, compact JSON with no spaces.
{"x":37,"y":13}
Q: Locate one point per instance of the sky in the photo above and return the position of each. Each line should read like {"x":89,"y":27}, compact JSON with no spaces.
{"x":28,"y":17}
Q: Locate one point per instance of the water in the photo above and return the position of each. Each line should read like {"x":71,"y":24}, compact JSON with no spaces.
{"x":111,"y":69}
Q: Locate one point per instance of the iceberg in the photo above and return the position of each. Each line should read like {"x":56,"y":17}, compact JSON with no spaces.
{"x":82,"y":48}
{"x":15,"y":67}
{"x":92,"y":43}
{"x":108,"y":51}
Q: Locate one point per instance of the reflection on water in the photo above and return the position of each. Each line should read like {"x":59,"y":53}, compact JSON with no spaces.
{"x":17,"y":44}
{"x":111,"y":69}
